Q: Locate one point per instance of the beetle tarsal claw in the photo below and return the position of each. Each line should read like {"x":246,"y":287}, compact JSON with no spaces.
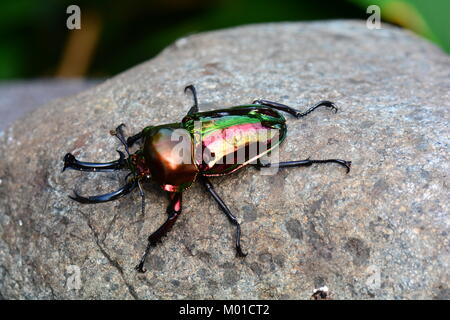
{"x":240,"y":253}
{"x":118,"y":130}
{"x":345,"y":163}
{"x":348,"y":164}
{"x":69,"y":160}
{"x":328,"y":104}
{"x":140,"y":268}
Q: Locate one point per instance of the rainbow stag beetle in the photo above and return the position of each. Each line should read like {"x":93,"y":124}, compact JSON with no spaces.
{"x":219,"y":134}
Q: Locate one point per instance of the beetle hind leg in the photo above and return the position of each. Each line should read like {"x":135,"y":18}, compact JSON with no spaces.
{"x":296,"y":113}
{"x":209,"y":187}
{"x":304,"y":163}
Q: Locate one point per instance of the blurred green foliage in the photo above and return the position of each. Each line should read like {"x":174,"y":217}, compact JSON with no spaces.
{"x":428,"y":18}
{"x":34,"y":34}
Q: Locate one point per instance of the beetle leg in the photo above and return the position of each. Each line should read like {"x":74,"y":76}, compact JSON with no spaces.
{"x":72,"y":163}
{"x":131,"y":140}
{"x":141,"y":193}
{"x":173,"y":210}
{"x":306,"y":162}
{"x":121,"y":136}
{"x":194,"y":108}
{"x":118,"y":133}
{"x":294,"y":112}
{"x":209,"y":187}
{"x":106,"y":197}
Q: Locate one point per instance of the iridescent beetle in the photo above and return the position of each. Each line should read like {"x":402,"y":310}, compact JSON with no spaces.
{"x":154,"y":160}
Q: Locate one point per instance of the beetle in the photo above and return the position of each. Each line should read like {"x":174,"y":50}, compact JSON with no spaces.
{"x":219,"y":134}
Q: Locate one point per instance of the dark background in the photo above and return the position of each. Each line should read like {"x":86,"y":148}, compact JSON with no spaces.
{"x":115,"y":36}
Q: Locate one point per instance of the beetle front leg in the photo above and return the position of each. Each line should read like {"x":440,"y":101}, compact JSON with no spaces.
{"x":209,"y":187}
{"x":118,"y":133}
{"x":306,"y":163}
{"x":173,"y":210}
{"x":128,"y":142}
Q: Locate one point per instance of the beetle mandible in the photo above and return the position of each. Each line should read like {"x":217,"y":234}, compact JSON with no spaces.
{"x":221,"y":133}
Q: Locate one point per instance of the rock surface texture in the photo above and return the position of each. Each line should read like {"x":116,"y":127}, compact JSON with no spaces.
{"x":381,"y":231}
{"x":20,"y":97}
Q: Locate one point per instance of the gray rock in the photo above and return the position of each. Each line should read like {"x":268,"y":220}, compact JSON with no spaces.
{"x":19,"y":97}
{"x":380,"y":231}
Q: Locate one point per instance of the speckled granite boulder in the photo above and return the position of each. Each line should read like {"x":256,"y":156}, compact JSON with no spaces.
{"x":381,"y":231}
